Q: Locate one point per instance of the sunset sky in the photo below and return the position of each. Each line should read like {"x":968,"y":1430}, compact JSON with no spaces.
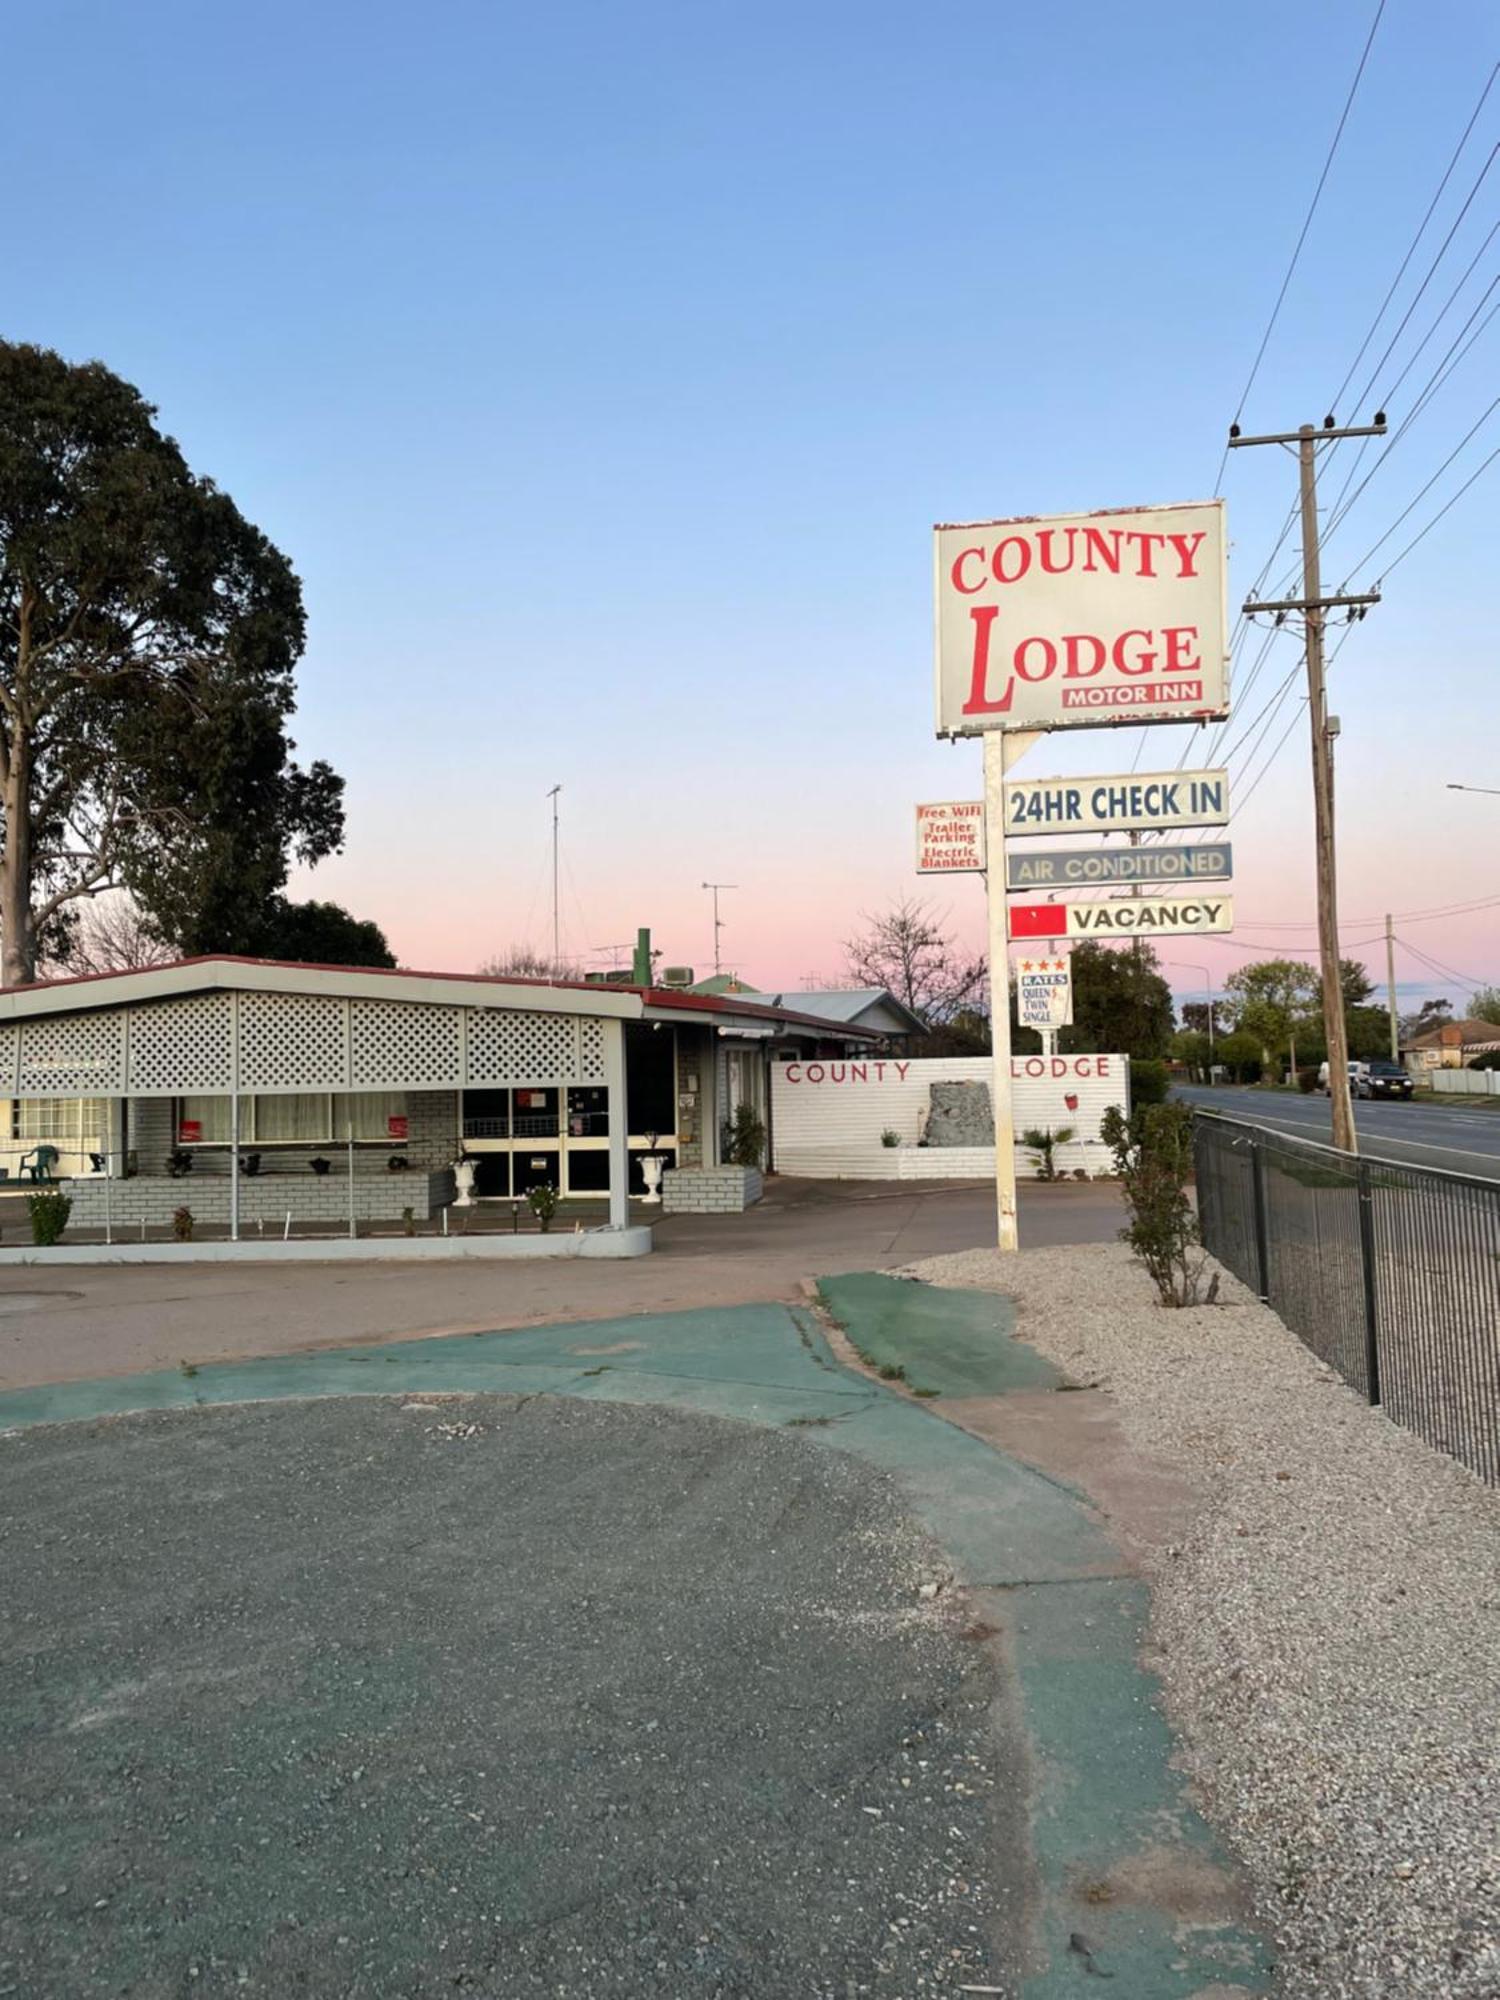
{"x":602,"y":370}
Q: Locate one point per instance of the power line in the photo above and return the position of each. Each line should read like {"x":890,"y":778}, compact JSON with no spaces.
{"x":1260,"y":352}
{"x":1416,"y":240}
{"x":1423,"y":491}
{"x":1484,"y":466}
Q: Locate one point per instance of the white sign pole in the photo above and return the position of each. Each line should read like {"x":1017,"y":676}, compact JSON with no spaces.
{"x":1002,"y":749}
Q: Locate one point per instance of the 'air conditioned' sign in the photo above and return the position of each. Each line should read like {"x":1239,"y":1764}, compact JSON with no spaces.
{"x":1070,"y":620}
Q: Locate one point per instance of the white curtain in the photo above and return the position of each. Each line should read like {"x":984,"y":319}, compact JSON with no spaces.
{"x":301,"y":1117}
{"x":372,"y":1112}
{"x":210,"y":1115}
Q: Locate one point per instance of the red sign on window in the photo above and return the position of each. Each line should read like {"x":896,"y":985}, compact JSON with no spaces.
{"x":189,"y":1131}
{"x":395,"y":1126}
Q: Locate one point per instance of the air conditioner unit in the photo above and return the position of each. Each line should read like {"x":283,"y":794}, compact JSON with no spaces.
{"x":677,"y":975}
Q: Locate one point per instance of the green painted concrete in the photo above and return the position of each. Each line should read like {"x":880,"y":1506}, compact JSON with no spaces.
{"x":1071,"y":1614}
{"x":947,"y":1342}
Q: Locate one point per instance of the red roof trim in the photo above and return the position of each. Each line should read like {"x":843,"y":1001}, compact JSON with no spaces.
{"x":652,"y":996}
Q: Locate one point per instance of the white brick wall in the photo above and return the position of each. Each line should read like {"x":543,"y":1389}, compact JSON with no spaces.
{"x":263,"y":1198}
{"x":710,"y":1190}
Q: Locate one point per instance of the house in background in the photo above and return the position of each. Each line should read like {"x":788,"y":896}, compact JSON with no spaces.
{"x":871,"y":1008}
{"x":1452,"y":1046}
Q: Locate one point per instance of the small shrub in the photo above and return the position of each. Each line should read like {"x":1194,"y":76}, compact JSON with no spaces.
{"x":408,"y":1221}
{"x":1307,"y":1081}
{"x":1149,"y":1082}
{"x":321,"y":1166}
{"x":542,"y":1200}
{"x":1153,"y":1151}
{"x":1041,"y":1141}
{"x":747,"y":1137}
{"x":49,"y":1215}
{"x":890,"y":1139}
{"x":179,"y":1162}
{"x":182,"y":1224}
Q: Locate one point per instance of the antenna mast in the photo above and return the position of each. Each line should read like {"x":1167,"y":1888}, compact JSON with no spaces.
{"x":556,"y":928}
{"x":718,"y":921}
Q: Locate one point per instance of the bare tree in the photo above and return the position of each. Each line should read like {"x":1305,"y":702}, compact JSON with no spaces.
{"x":906,"y":950}
{"x":523,"y":961}
{"x":113,"y":935}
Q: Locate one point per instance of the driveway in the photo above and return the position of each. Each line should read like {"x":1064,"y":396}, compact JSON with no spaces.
{"x":662,"y":1655}
{"x":514,"y":1696}
{"x":84,"y":1321}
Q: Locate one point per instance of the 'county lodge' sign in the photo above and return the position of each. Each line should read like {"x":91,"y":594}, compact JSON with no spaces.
{"x":1071,"y":620}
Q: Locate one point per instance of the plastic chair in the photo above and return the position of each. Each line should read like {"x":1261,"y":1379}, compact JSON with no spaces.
{"x":38,"y":1165}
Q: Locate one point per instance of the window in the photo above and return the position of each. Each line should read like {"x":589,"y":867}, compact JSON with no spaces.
{"x":299,"y":1118}
{"x":81,"y":1120}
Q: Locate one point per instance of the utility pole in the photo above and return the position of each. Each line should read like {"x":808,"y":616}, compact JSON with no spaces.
{"x":556,"y":927}
{"x":1313,"y":606}
{"x":718,"y":925}
{"x":1390,"y":988}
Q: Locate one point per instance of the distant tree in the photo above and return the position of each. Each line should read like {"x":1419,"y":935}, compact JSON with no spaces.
{"x":1431,"y":1014}
{"x":1241,"y":1055}
{"x":148,"y":635}
{"x":906,"y":950}
{"x":1354,"y":982}
{"x":523,"y":961}
{"x":323,"y":934}
{"x":1272,"y":1000}
{"x":1121,"y":1003}
{"x":113,"y":934}
{"x":1189,"y":1047}
{"x":1485,"y":1005}
{"x":1194,"y":1014}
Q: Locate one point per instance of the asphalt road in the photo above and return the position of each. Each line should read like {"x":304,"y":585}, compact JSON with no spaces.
{"x":1422,"y":1135}
{"x":514,"y":1696}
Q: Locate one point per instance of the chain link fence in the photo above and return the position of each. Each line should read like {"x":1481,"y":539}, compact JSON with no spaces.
{"x":1389,"y":1273}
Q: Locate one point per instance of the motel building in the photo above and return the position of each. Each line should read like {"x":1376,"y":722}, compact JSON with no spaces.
{"x":253,"y":1092}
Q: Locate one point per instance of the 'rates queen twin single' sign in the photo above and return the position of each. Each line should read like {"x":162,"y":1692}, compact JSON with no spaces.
{"x":1073,"y":620}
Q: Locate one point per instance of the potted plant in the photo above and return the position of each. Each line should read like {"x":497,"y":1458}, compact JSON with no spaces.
{"x":320,"y":1165}
{"x":542,"y":1200}
{"x":182,"y":1224}
{"x":179,"y":1162}
{"x":890,"y":1139}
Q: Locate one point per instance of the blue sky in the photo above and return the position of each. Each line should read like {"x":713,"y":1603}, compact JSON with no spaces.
{"x":603,"y":369}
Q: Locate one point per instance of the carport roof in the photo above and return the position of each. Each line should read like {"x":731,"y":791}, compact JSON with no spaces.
{"x":85,"y":992}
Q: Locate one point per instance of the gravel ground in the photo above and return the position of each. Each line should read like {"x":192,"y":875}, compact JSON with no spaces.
{"x":490,"y":1696}
{"x":1329,"y":1632}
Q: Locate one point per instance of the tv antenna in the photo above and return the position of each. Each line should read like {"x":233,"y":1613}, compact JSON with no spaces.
{"x":718,"y":920}
{"x":556,"y":926}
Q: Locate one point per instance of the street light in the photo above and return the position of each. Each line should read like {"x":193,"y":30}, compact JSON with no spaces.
{"x":1490,"y":789}
{"x":1208,"y":986}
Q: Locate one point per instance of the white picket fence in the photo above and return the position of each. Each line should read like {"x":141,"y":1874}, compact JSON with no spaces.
{"x":1465,"y":1082}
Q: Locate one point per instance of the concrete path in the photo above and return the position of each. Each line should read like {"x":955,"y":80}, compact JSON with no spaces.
{"x":1096,"y":1865}
{"x":76,"y":1323}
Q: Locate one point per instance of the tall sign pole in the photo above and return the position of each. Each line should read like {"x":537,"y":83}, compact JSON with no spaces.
{"x":1313,"y":605}
{"x":1002,"y":749}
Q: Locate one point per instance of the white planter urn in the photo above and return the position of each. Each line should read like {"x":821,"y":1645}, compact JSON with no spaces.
{"x":463,"y":1176}
{"x":652,"y":1165}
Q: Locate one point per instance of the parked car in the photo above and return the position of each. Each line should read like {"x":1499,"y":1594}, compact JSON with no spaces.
{"x":1384,"y":1079}
{"x":1357,"y":1072}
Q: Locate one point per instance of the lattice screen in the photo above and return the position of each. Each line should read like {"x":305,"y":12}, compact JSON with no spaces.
{"x":10,"y":1042}
{"x":182,"y":1045}
{"x":522,"y":1048}
{"x":590,"y":1051}
{"x":72,"y":1055}
{"x":394,"y":1045}
{"x":291,"y":1041}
